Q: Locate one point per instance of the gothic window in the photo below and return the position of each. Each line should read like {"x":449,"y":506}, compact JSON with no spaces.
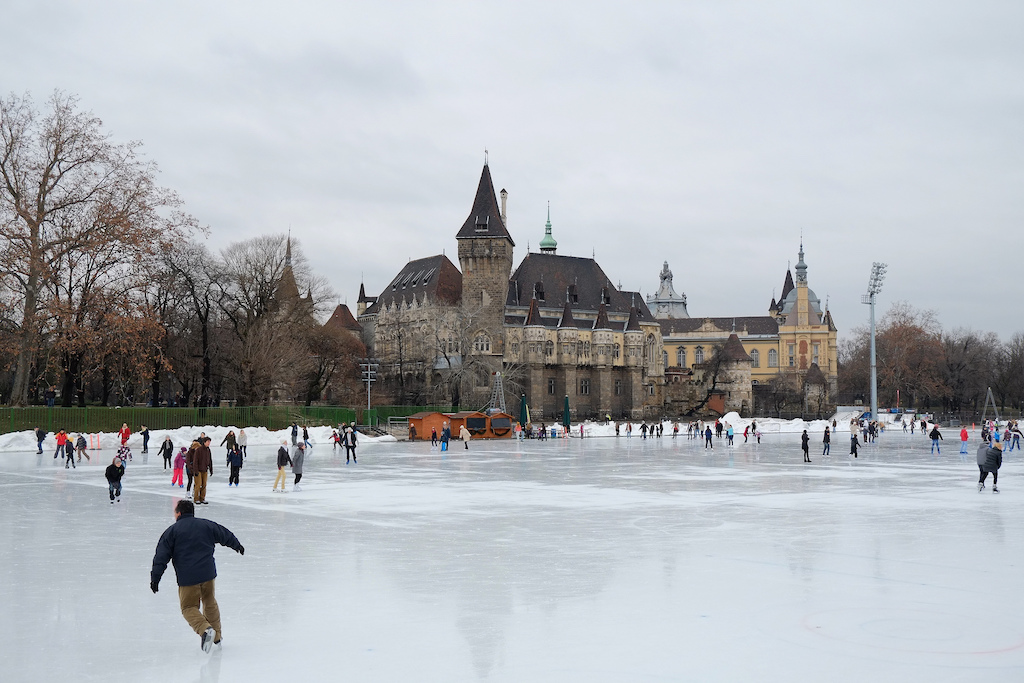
{"x":617,"y":351}
{"x":618,"y":387}
{"x":755,"y":358}
{"x":814,"y":354}
{"x":551,"y":386}
{"x":584,"y":387}
{"x":482,"y":344}
{"x":586,"y":349}
{"x":681,"y":356}
{"x":515,"y":348}
{"x":665,"y":357}
{"x":773,"y":358}
{"x":549,"y":348}
{"x":698,"y":355}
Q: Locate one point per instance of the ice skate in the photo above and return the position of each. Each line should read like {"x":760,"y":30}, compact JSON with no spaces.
{"x":981,"y":486}
{"x":206,"y":641}
{"x":995,"y":489}
{"x":296,"y":488}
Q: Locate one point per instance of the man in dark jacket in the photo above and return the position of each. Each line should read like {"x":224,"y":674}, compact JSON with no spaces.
{"x":189,"y":543}
{"x":282,"y":459}
{"x":201,"y":464}
{"x":40,"y":437}
{"x":350,"y":441}
{"x":989,"y":460}
{"x":235,"y":462}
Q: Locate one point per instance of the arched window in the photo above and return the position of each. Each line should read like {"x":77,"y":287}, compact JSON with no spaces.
{"x":549,"y":348}
{"x":773,"y":358}
{"x":482,"y":344}
{"x":698,"y":355}
{"x":681,"y":356}
{"x":755,"y":358}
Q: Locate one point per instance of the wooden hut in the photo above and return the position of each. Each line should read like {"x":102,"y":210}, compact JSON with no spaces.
{"x":475,"y":421}
{"x":420,"y":425}
{"x":499,"y":426}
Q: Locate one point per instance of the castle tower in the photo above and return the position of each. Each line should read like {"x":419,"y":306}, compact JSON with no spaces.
{"x":485,"y":256}
{"x":548,"y":244}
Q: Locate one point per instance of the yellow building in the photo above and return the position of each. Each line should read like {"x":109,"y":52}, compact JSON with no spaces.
{"x":796,"y":334}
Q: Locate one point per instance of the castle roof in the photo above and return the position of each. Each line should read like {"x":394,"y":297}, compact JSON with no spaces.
{"x":602,"y":318}
{"x":828,"y":321}
{"x":484,"y":218}
{"x":434,"y":276}
{"x":787,"y":287}
{"x":634,"y":320}
{"x":566,"y":319}
{"x":342,"y":319}
{"x":733,"y":349}
{"x":755,"y":325}
{"x":814,"y":375}
{"x":533,"y":317}
{"x":362,"y":295}
{"x":563,"y":274}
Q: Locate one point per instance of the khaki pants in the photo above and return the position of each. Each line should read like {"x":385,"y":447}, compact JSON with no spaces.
{"x":282,"y":476}
{"x":190,"y":597}
{"x":199,"y":495}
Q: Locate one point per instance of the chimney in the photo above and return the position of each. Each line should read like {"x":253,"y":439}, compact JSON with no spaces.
{"x":504,"y":197}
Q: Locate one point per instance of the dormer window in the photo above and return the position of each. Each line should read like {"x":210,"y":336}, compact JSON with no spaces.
{"x":538,"y":291}
{"x":573,"y":295}
{"x":481,"y":223}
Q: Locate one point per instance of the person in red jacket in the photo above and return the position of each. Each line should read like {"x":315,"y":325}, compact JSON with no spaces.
{"x":963,"y":439}
{"x":62,"y":438}
{"x":124,"y":433}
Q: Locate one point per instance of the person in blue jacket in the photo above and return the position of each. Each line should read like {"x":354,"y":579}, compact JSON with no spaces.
{"x":189,"y":544}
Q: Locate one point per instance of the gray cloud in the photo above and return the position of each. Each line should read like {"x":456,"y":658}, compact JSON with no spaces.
{"x":706,"y":133}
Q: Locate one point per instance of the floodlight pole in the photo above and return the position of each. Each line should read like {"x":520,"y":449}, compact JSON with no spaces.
{"x":874,"y":287}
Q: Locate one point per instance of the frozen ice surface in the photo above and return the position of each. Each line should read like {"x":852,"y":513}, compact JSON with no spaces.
{"x":596,"y":560}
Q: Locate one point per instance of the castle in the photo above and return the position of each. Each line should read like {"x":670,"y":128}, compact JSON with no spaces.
{"x":557,"y":327}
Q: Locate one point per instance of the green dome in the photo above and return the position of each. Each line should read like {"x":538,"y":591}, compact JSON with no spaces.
{"x":548,"y":243}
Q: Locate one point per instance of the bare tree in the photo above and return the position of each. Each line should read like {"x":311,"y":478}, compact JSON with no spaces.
{"x":66,"y":188}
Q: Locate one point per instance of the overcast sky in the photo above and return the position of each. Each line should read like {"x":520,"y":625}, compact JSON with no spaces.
{"x":708,"y":134}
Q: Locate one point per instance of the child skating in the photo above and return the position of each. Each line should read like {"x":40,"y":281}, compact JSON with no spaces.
{"x":179,"y":469}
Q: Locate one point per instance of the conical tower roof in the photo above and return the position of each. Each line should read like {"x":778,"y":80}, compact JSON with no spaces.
{"x":787,"y":286}
{"x":602,"y":318}
{"x":634,"y":320}
{"x":567,"y":319}
{"x":484,"y":218}
{"x":533,"y":317}
{"x":733,"y":349}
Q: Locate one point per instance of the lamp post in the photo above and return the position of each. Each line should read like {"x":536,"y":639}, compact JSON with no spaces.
{"x":874,"y":287}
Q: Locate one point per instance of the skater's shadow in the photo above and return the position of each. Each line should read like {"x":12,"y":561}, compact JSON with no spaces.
{"x":209,"y":672}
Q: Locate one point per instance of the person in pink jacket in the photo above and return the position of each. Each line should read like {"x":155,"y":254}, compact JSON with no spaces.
{"x":179,"y":467}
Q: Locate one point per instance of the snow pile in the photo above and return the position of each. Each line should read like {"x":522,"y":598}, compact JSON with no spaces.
{"x":767,"y":425}
{"x":183,"y":436}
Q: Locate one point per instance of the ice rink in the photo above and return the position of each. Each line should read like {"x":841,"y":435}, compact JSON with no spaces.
{"x":606,"y":559}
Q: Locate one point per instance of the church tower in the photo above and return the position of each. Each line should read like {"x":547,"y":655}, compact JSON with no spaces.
{"x":485,"y":257}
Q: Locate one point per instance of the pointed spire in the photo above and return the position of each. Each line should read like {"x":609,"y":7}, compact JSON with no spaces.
{"x":484,"y":218}
{"x":801,"y":267}
{"x":733,"y":349}
{"x":533,"y":317}
{"x":566,"y":319}
{"x":288,"y":250}
{"x":787,"y":286}
{"x":602,"y":318}
{"x":634,"y":320}
{"x":548,"y":245}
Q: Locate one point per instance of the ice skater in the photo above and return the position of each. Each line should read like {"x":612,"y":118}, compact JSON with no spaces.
{"x":69,"y":452}
{"x":707,"y":439}
{"x":235,"y":463}
{"x":446,"y":435}
{"x":144,"y":431}
{"x":189,"y":543}
{"x":114,"y":472}
{"x":295,"y":433}
{"x":229,"y":441}
{"x":827,"y":442}
{"x":243,"y":443}
{"x":963,"y":440}
{"x":167,"y":451}
{"x":188,"y":466}
{"x":351,"y":441}
{"x":730,"y":433}
{"x":282,"y":459}
{"x":805,"y":445}
{"x":124,"y":433}
{"x":853,"y":444}
{"x":297,"y":459}
{"x":80,"y":447}
{"x":62,"y":439}
{"x":40,"y":437}
{"x":201,"y":464}
{"x":464,"y":435}
{"x":305,"y":437}
{"x":1015,"y":435}
{"x":936,"y":438}
{"x":990,"y":458}
{"x":179,"y":470}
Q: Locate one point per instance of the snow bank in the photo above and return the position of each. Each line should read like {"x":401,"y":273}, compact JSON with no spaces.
{"x":767,"y":425}
{"x":183,"y":436}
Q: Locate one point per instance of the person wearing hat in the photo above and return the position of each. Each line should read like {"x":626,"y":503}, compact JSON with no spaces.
{"x":990,"y":458}
{"x":282,"y":459}
{"x":179,"y":469}
{"x":113,"y":473}
{"x":297,"y":459}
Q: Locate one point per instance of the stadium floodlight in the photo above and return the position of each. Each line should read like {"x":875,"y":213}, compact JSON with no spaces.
{"x":874,"y":288}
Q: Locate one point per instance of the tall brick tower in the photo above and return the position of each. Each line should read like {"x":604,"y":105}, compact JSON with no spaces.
{"x":485,"y":256}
